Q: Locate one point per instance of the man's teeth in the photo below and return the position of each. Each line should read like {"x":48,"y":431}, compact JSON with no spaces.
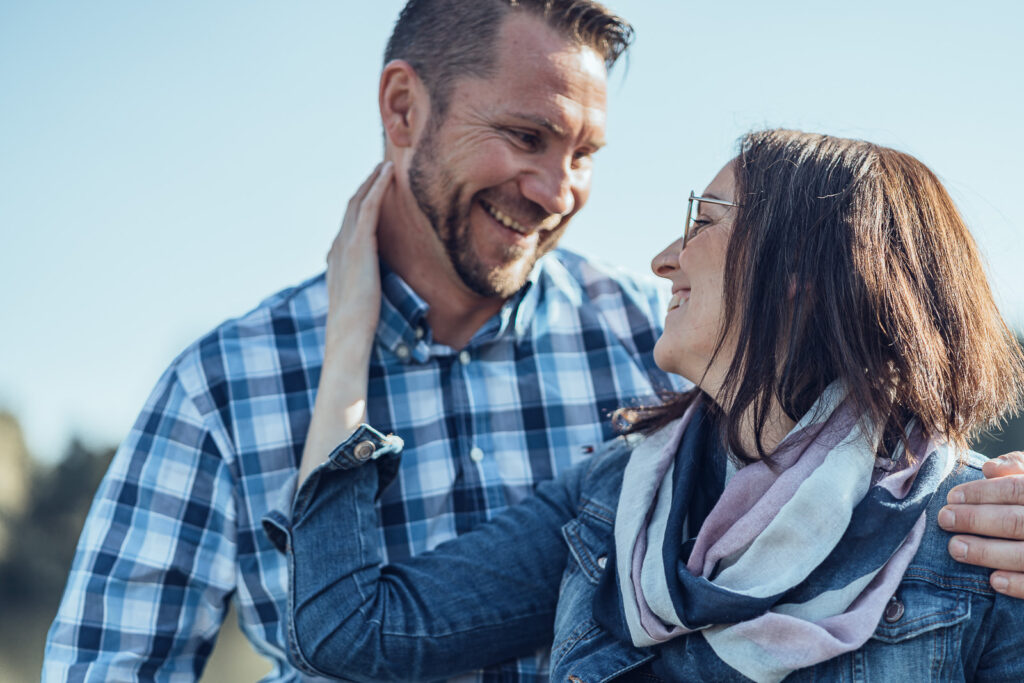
{"x":506,"y":220}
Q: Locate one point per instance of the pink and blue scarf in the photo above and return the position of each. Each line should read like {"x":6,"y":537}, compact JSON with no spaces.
{"x":795,"y":563}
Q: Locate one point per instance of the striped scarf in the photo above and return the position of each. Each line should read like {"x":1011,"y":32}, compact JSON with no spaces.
{"x":791,"y":567}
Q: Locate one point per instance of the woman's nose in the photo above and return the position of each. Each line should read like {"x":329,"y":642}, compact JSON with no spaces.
{"x":667,"y":261}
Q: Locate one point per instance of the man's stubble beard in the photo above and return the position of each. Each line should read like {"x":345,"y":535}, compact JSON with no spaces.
{"x":433,"y":188}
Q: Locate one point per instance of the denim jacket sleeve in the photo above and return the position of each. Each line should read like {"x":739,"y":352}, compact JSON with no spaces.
{"x":486,"y":596}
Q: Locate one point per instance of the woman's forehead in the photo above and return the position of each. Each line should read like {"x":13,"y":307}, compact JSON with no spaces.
{"x":723,"y":185}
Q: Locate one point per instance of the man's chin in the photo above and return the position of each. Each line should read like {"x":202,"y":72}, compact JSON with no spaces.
{"x":501,"y":281}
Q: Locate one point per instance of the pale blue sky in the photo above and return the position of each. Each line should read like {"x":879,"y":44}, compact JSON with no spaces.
{"x":164,"y":166}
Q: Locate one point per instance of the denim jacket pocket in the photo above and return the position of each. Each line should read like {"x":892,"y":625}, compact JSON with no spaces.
{"x":918,"y":638}
{"x":919,"y":607}
{"x":588,"y":541}
{"x":577,"y":634}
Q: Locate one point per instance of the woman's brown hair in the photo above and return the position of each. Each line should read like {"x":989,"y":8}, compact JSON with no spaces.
{"x":849,"y":261}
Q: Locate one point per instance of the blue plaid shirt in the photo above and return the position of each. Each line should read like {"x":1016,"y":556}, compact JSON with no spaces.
{"x":174,"y":532}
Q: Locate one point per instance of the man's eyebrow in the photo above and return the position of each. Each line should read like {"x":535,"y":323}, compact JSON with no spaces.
{"x":554,"y":128}
{"x":541,"y":122}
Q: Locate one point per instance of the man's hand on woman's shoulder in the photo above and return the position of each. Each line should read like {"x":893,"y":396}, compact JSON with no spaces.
{"x":987,"y":517}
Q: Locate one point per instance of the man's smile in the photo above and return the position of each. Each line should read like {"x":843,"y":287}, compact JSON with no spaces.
{"x":503,"y":218}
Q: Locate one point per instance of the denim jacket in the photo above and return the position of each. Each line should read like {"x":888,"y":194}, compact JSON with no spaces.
{"x":526,"y":580}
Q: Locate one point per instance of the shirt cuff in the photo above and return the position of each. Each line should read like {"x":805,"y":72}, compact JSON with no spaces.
{"x":362,"y":446}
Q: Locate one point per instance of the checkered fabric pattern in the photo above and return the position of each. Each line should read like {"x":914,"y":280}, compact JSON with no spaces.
{"x":174,"y":532}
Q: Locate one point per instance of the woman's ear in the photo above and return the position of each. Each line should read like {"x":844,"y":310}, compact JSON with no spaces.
{"x":403,"y":102}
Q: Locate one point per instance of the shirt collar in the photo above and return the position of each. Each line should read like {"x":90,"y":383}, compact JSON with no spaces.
{"x":403,"y":328}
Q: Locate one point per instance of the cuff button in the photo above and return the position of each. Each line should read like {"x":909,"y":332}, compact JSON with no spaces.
{"x":364,"y":450}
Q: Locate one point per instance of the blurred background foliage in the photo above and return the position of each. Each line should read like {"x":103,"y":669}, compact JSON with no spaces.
{"x":42,"y":509}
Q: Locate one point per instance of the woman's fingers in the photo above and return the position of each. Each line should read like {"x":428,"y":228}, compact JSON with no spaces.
{"x":353,"y":274}
{"x":356,"y":200}
{"x":369,"y":208}
{"x":361,"y":217}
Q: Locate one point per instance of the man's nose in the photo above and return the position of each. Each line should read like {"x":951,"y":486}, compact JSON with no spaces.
{"x":552,"y":185}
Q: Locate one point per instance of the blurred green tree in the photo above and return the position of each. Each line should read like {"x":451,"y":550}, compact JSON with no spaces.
{"x":41,"y":541}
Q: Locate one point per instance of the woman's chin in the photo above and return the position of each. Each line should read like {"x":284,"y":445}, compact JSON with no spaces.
{"x":670,"y":362}
{"x":697,"y":372}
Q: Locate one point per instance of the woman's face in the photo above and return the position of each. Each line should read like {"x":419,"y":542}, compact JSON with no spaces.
{"x":694,"y":317}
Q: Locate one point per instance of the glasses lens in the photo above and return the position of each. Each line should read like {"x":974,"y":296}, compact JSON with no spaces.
{"x":691,"y":208}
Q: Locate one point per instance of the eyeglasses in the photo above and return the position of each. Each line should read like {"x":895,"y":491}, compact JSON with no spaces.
{"x":692,"y":228}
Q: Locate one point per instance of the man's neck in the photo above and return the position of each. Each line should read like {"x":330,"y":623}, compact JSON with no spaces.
{"x":417,"y":256}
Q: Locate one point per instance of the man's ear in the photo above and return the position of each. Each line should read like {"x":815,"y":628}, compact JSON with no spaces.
{"x":404,"y":103}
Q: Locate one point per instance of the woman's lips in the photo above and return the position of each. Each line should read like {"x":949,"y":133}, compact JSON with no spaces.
{"x":679,"y":297}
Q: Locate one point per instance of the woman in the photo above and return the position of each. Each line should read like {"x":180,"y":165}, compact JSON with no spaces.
{"x":830,"y":308}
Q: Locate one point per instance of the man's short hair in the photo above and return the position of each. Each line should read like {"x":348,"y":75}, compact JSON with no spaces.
{"x":445,"y":40}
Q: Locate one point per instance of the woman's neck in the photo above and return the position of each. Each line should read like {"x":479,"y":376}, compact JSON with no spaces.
{"x":776,"y":427}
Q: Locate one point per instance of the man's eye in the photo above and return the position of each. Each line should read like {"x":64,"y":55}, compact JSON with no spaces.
{"x":582,"y":156}
{"x":526,"y":138}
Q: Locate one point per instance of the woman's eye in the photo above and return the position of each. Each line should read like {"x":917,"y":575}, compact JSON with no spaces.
{"x":698,"y":225}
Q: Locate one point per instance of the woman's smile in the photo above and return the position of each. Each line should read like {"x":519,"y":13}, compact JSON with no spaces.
{"x":679,"y":297}
{"x":692,"y":325}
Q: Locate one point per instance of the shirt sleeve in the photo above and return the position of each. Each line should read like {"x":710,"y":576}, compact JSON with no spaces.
{"x":484,"y":597}
{"x":155,"y":564}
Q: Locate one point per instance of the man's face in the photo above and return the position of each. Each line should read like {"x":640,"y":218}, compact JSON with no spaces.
{"x":501,"y":175}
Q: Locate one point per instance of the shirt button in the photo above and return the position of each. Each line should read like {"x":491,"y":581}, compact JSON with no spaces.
{"x":894,"y":610}
{"x":465,"y":357}
{"x":364,"y":450}
{"x":402,"y":351}
{"x":602,"y":562}
{"x":477,"y":454}
{"x":420,"y":333}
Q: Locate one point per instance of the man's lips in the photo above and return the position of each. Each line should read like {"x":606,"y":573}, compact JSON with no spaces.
{"x":679,"y":297}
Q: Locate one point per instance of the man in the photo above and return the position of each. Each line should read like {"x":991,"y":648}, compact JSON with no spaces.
{"x":496,"y":364}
